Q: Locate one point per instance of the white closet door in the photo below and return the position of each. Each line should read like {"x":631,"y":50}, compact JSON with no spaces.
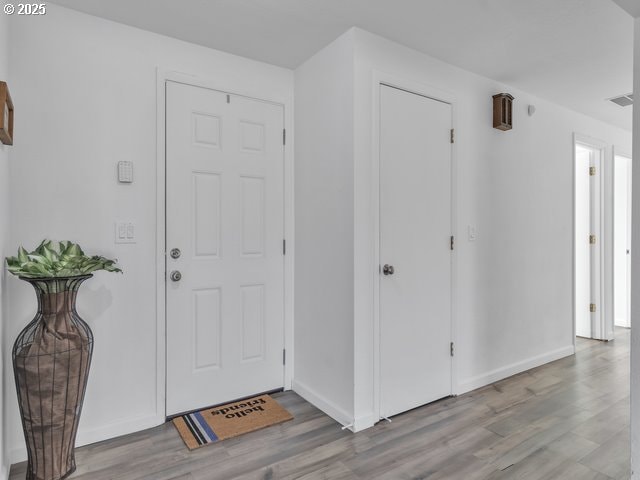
{"x":415,"y":232}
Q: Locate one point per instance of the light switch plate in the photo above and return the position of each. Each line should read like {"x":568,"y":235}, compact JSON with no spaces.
{"x":125,"y":172}
{"x":125,"y":232}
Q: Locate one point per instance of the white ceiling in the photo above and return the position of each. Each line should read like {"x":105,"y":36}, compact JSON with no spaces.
{"x":574,"y":52}
{"x":631,"y":6}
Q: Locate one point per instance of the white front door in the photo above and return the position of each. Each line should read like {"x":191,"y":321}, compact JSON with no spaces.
{"x":224,"y":204}
{"x":415,"y":250}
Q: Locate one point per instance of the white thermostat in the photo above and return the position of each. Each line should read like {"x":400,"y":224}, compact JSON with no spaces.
{"x":125,"y":172}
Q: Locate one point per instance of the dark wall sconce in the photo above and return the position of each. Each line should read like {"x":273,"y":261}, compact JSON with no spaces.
{"x":6,"y":115}
{"x":502,"y":111}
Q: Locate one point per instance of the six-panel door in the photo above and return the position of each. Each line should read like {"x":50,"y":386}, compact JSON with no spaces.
{"x":224,"y":207}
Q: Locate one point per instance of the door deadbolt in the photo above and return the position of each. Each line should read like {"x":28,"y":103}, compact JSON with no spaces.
{"x":176,"y":276}
{"x":175,"y":253}
{"x":388,"y":270}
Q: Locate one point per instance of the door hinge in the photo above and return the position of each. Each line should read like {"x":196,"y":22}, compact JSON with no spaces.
{"x":592,"y":239}
{"x":228,"y":98}
{"x":452,"y":349}
{"x":592,"y":171}
{"x":284,"y":356}
{"x":284,"y":136}
{"x":451,"y":245}
{"x":592,"y":307}
{"x":453,"y":135}
{"x":284,"y":246}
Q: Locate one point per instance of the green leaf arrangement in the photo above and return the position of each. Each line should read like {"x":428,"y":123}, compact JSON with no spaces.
{"x":57,"y":259}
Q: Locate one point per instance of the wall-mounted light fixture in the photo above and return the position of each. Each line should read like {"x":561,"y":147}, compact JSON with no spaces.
{"x":6,"y":115}
{"x":502,"y":111}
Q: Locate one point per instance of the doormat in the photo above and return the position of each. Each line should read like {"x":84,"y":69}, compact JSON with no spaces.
{"x":226,"y":421}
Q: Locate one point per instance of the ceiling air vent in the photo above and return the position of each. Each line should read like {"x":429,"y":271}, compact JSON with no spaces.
{"x":623,"y":100}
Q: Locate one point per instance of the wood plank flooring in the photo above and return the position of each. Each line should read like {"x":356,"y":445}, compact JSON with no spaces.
{"x":566,"y":420}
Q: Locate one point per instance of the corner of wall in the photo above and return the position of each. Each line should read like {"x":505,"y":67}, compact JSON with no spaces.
{"x":323,"y":359}
{"x":635,"y":272}
{"x":4,"y":237}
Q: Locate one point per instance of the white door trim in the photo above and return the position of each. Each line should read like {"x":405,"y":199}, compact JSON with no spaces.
{"x":163,"y":76}
{"x":411,"y":86}
{"x":605,"y":243}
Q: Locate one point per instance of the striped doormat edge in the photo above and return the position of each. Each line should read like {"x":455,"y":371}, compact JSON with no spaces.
{"x":199,"y":428}
{"x":214,"y":424}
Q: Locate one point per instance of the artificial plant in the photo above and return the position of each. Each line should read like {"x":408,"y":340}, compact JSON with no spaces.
{"x":57,"y":260}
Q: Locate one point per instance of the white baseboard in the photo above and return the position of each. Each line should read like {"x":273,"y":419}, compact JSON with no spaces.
{"x":97,"y":434}
{"x":328,"y":407}
{"x":621,"y":322}
{"x":513,"y":369}
{"x":364,"y":422}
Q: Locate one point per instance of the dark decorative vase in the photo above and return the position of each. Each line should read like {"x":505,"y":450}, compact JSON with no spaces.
{"x":51,"y":359}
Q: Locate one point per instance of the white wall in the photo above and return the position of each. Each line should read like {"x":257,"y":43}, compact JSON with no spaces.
{"x":635,"y":275}
{"x":85,"y":98}
{"x":513,"y":307}
{"x":85,"y":94}
{"x":4,"y":235}
{"x":514,"y":285}
{"x":324,"y":229}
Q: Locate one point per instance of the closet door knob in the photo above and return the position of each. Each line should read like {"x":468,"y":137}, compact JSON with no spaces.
{"x":388,"y":270}
{"x":176,"y":276}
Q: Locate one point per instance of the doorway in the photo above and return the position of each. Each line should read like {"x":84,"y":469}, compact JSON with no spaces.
{"x":415,"y":250}
{"x":224,"y":240}
{"x":622,"y":240}
{"x":592,"y":230}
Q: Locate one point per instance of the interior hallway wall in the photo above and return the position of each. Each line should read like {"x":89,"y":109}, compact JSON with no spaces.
{"x":85,"y":90}
{"x":514,"y":283}
{"x":513,"y":306}
{"x":635,"y":273}
{"x":324,"y":289}
{"x":4,"y":244}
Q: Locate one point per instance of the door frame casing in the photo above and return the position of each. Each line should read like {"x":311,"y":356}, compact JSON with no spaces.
{"x":162,"y":77}
{"x":605,"y":243}
{"x":411,"y":86}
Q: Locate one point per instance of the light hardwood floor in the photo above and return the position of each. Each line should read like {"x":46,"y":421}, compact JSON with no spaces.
{"x":565,"y":420}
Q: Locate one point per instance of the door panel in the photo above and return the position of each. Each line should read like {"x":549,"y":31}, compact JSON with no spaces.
{"x":225,"y":316}
{"x":584,"y":327}
{"x":589,"y":240}
{"x":415,"y":230}
{"x":598,"y":330}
